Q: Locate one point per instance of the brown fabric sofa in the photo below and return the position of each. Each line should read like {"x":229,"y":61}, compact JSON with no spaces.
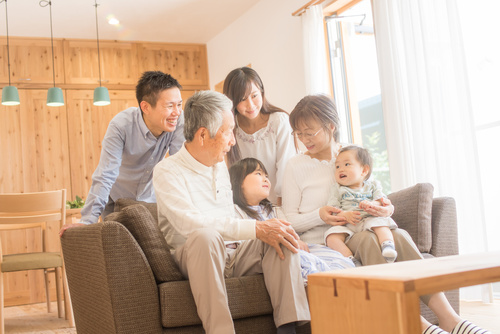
{"x":122,"y":278}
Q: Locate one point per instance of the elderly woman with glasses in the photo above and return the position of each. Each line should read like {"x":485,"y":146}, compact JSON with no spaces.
{"x":308,"y":179}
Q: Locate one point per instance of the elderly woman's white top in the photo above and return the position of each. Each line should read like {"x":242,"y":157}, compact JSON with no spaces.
{"x":306,"y":187}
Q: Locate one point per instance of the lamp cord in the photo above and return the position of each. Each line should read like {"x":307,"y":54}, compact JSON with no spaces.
{"x":98,"y":53}
{"x":44,"y":3}
{"x":52,"y":43}
{"x":8,"y":47}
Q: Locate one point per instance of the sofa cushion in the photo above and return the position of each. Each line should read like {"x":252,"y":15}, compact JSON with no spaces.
{"x":413,"y":213}
{"x":124,"y":202}
{"x":247,"y":297}
{"x":139,"y":221}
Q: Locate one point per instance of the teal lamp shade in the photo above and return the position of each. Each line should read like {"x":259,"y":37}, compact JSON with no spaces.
{"x":101,"y":96}
{"x":55,"y":97}
{"x":10,"y":96}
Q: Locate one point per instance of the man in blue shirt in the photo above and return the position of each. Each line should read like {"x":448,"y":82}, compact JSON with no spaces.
{"x":135,"y":141}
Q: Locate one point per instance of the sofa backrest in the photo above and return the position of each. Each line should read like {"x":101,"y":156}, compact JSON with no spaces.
{"x":143,"y":226}
{"x":413,"y":213}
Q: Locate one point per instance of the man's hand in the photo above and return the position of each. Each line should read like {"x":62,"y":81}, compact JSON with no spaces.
{"x":329,"y":215}
{"x":386,"y":210}
{"x":352,"y":217}
{"x":275,"y":232}
{"x":66,"y":226}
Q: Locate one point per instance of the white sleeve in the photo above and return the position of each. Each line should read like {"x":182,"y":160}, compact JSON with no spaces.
{"x":175,"y":203}
{"x":285,"y":149}
{"x":292,"y":196}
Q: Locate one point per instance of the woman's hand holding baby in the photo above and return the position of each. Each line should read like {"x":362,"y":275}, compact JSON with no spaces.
{"x":386,"y":209}
{"x":352,"y":217}
{"x":329,"y":214}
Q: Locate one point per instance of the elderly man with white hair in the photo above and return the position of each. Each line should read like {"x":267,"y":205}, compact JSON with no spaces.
{"x":196,"y":215}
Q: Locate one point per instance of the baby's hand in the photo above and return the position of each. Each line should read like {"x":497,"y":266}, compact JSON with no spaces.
{"x":352,"y":217}
{"x":366,"y":204}
{"x":363,"y":205}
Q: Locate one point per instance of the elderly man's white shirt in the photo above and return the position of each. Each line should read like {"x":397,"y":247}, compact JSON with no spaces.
{"x":191,"y":196}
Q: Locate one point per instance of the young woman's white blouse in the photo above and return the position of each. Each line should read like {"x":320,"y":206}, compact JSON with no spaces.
{"x":306,"y":187}
{"x":273,"y":145}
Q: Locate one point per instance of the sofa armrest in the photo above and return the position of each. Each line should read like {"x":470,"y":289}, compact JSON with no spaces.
{"x":112,"y":287}
{"x":444,"y":227}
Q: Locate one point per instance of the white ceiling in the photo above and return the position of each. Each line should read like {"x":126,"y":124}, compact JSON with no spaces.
{"x":174,"y":21}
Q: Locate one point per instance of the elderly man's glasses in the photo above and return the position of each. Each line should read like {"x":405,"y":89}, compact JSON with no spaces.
{"x":305,"y":135}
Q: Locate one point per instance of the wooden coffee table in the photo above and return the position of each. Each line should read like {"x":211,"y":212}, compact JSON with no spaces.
{"x":385,"y":298}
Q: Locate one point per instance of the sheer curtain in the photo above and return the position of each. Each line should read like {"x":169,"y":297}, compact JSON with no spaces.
{"x":315,"y":66}
{"x":427,"y":107}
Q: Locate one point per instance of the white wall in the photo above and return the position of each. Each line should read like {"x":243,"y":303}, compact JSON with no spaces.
{"x":270,"y":38}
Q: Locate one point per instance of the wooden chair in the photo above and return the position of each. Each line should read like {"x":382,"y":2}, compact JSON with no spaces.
{"x":29,"y":211}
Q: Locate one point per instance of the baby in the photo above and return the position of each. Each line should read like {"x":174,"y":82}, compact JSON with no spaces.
{"x":353,"y":193}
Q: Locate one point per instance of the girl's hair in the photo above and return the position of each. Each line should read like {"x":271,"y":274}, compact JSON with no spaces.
{"x":320,"y":108}
{"x":362,"y":156}
{"x":237,"y":173}
{"x":237,"y":85}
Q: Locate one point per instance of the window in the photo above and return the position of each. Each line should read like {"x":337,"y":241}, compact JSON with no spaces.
{"x":356,"y":84}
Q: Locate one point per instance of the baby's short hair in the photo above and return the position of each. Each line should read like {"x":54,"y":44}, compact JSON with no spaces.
{"x":362,"y":155}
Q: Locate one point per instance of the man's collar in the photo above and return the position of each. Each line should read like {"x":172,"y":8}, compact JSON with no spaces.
{"x":144,"y":128}
{"x":193,"y":163}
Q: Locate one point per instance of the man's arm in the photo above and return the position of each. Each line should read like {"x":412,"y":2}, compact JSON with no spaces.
{"x":103,"y":178}
{"x":178,"y":205}
{"x":105,"y":175}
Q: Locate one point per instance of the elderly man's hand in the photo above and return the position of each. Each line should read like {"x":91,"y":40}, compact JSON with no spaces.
{"x":275,"y":232}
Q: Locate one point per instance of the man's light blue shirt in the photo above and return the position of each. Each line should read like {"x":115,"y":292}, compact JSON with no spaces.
{"x":128,"y":156}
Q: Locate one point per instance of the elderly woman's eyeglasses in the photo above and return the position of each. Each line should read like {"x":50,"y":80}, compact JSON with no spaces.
{"x":305,"y":135}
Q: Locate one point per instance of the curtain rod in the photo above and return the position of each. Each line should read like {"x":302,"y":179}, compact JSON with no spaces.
{"x":302,"y":9}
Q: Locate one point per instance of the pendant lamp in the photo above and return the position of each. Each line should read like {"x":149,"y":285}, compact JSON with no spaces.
{"x":55,"y":96}
{"x":10,"y":95}
{"x":101,"y":94}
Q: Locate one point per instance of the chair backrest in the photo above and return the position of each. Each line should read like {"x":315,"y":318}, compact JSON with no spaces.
{"x":30,"y":210}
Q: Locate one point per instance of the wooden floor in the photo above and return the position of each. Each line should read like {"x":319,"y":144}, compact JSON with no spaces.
{"x":485,"y":315}
{"x":35,"y":319}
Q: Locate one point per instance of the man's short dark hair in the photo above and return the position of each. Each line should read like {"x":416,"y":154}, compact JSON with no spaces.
{"x":151,"y":84}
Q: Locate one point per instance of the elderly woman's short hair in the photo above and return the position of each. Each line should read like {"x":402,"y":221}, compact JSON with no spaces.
{"x":204,"y":110}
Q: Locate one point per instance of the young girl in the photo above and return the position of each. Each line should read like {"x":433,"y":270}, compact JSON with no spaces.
{"x":251,"y":187}
{"x":262,"y":130}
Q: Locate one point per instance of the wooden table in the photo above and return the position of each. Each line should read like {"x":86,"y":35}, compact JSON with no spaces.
{"x":385,"y":298}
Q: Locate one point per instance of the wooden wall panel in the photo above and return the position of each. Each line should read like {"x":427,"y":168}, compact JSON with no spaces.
{"x":87,"y":125}
{"x":185,"y":62}
{"x":35,"y":157}
{"x":11,"y":166}
{"x":118,"y":62}
{"x":31,"y":60}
